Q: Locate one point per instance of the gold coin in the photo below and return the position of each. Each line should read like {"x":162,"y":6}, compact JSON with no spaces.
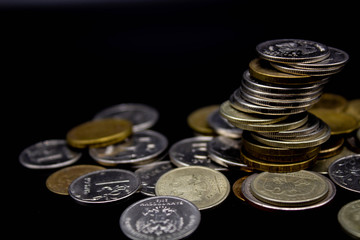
{"x":59,"y":181}
{"x":236,"y":188}
{"x":262,"y":70}
{"x":353,"y":108}
{"x":331,"y":147}
{"x":202,"y":186}
{"x":331,"y":102}
{"x":276,"y":167}
{"x":339,"y":122}
{"x":198,"y":120}
{"x":99,"y":133}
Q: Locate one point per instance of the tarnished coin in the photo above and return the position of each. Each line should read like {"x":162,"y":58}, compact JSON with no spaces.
{"x":349,"y":218}
{"x":236,"y":188}
{"x":353,"y":108}
{"x":222,"y":126}
{"x":251,"y":199}
{"x":160,"y":217}
{"x":204,"y":187}
{"x":104,"y":186}
{"x":99,"y":133}
{"x":48,"y":154}
{"x":150,"y":173}
{"x":140,"y":115}
{"x":59,"y":181}
{"x":198,"y":120}
{"x":292,"y":50}
{"x":193,"y":152}
{"x":345,"y":172}
{"x":289,"y":189}
{"x":331,"y":102}
{"x":139,"y":148}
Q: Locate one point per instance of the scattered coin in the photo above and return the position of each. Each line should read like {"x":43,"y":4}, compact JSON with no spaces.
{"x":349,"y":218}
{"x":198,"y":120}
{"x":54,"y":153}
{"x":160,"y":217}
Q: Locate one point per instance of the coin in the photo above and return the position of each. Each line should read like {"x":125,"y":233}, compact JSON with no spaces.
{"x":299,"y":188}
{"x":99,"y":133}
{"x":331,"y":102}
{"x":150,"y":173}
{"x":59,"y":181}
{"x":198,"y":119}
{"x":104,"y":186}
{"x":236,"y":188}
{"x":349,"y":218}
{"x":353,"y":108}
{"x":345,"y":172}
{"x":48,"y":154}
{"x":160,"y":217}
{"x":139,"y":148}
{"x":252,"y":200}
{"x":222,"y":126}
{"x":318,"y":72}
{"x":331,"y":147}
{"x":292,"y":50}
{"x":140,"y":115}
{"x":204,"y":187}
{"x":193,"y":152}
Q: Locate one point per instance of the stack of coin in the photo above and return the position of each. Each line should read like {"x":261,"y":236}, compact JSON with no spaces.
{"x":272,"y":101}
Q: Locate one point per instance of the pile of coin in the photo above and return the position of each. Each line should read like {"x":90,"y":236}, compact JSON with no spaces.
{"x":272,"y":101}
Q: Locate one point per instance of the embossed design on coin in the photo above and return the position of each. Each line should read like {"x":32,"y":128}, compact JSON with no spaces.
{"x":161,"y":217}
{"x":104,"y":186}
{"x":345,"y":172}
{"x":48,"y":154}
{"x":349,"y":218}
{"x":140,"y":115}
{"x":202,"y":186}
{"x":296,"y":188}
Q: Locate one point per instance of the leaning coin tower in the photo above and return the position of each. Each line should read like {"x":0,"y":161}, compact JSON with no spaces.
{"x":271,"y":104}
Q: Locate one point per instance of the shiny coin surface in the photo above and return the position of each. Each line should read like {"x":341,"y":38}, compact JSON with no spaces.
{"x":140,"y":115}
{"x":59,"y":181}
{"x":160,"y":217}
{"x":349,"y":218}
{"x":204,"y":187}
{"x":292,"y":50}
{"x":289,"y":189}
{"x":307,"y":72}
{"x":193,"y":152}
{"x":104,"y":186}
{"x":345,"y":172}
{"x":150,"y":173}
{"x":222,"y":126}
{"x":252,"y":200}
{"x":99,"y":133}
{"x":48,"y":154}
{"x":198,"y":119}
{"x":139,"y":148}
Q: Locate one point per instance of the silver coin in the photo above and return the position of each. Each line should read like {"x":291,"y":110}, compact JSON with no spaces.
{"x":150,"y":173}
{"x":193,"y":152}
{"x":140,"y":115}
{"x":292,"y":50}
{"x":345,"y":172}
{"x":308,"y":71}
{"x":140,"y":147}
{"x":104,"y":186}
{"x":349,"y":218}
{"x":226,"y":151}
{"x":252,"y":200}
{"x":48,"y":154}
{"x":160,"y":217}
{"x":222,"y":126}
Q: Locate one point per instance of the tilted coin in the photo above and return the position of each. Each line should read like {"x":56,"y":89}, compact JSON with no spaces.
{"x":292,"y":50}
{"x":236,"y":188}
{"x":150,"y":173}
{"x":48,"y":154}
{"x":104,"y":186}
{"x":349,"y":218}
{"x":353,"y":108}
{"x":139,"y":148}
{"x":252,"y":200}
{"x":198,"y":119}
{"x":222,"y":126}
{"x":160,"y":217}
{"x":289,"y":189}
{"x":99,"y":133}
{"x":331,"y":102}
{"x":318,"y":72}
{"x":204,"y":187}
{"x":345,"y":172}
{"x":140,"y":115}
{"x":59,"y":181}
{"x":193,"y":152}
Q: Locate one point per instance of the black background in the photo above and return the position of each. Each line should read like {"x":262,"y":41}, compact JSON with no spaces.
{"x":62,"y":63}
